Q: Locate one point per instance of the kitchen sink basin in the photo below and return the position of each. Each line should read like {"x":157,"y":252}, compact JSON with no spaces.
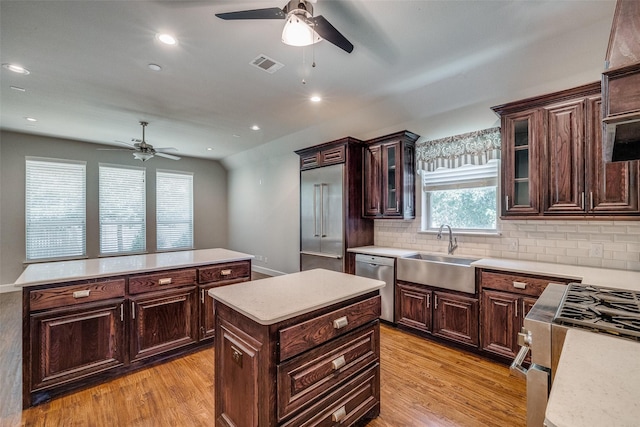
{"x":440,"y":271}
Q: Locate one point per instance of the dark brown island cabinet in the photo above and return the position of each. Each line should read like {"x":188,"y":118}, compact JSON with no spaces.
{"x":308,"y":356}
{"x":553,"y":164}
{"x":84,"y":331}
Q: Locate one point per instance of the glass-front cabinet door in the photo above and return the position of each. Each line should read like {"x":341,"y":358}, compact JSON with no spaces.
{"x":520,"y":157}
{"x":391,"y":177}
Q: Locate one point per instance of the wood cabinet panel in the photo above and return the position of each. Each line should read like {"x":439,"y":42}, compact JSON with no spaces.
{"x":372,"y":204}
{"x":563,"y":165}
{"x":518,"y":283}
{"x":303,"y":336}
{"x":413,"y":307}
{"x":158,"y":281}
{"x":72,"y":343}
{"x":162,"y":321}
{"x":222,"y":272}
{"x":63,"y":296}
{"x":455,"y":318}
{"x":307,"y":376}
{"x":499,"y":323}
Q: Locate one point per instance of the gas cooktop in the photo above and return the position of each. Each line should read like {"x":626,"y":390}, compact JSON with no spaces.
{"x":601,"y":309}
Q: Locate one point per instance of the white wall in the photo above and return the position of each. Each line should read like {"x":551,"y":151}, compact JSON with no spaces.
{"x":210,"y":194}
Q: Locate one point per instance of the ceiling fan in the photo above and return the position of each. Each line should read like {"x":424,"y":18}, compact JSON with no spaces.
{"x":143,"y":151}
{"x":301,"y":28}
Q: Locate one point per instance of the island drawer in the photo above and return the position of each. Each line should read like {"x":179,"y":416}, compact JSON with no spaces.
{"x":307,"y":376}
{"x":168,"y":279}
{"x":345,"y":405}
{"x":75,"y":294}
{"x":521,"y":284}
{"x":221,"y":272}
{"x":306,"y":335}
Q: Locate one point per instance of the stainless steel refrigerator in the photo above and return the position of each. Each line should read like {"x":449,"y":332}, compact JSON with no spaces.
{"x":322,"y":218}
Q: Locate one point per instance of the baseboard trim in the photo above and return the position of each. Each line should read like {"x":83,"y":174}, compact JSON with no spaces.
{"x":267,"y":271}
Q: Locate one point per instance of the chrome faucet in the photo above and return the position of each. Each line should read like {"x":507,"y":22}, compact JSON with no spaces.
{"x":453,"y":241}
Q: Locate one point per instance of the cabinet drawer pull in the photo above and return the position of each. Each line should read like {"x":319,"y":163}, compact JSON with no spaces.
{"x":166,"y":281}
{"x":225,"y":272}
{"x":340,"y":322}
{"x":520,"y":285}
{"x":338,"y":363}
{"x":339,"y":415}
{"x":82,"y":294}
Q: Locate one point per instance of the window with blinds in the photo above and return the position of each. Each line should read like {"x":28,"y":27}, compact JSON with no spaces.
{"x":55,"y":211}
{"x":174,"y":210}
{"x":122,"y":210}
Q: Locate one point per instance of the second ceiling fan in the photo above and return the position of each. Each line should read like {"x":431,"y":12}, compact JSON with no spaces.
{"x":301,"y":28}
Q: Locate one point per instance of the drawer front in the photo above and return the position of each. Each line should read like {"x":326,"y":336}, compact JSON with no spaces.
{"x":346,"y":405}
{"x":228,"y":271}
{"x":332,"y":156}
{"x":306,"y":335}
{"x":311,"y":374}
{"x":158,"y":281}
{"x":525,"y":285}
{"x":75,"y":294}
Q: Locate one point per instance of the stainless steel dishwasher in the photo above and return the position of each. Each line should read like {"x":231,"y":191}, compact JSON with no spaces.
{"x":380,"y":268}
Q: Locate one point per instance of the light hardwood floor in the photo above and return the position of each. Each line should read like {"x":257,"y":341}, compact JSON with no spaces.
{"x":423,"y":383}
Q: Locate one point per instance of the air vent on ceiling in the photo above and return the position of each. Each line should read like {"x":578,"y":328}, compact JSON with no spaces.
{"x":267,"y":64}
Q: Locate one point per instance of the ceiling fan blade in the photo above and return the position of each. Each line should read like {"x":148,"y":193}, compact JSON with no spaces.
{"x":167,"y":156}
{"x":115,"y":149}
{"x":330,"y":34}
{"x":270,"y":13}
{"x":165,"y":149}
{"x":128,"y":144}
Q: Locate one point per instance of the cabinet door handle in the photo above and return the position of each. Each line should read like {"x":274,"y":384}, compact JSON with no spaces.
{"x":435,"y":301}
{"x":506,"y":202}
{"x":81,"y":294}
{"x":202,"y":296}
{"x":591,"y":200}
{"x":428,"y":300}
{"x":338,"y":363}
{"x":165,"y":281}
{"x":339,"y":415}
{"x":133,"y":310}
{"x":582,"y":200}
{"x":516,"y":304}
{"x":122,"y":312}
{"x":340,"y":322}
{"x":520,"y":285}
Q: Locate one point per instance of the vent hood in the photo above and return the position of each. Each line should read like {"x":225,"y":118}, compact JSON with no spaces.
{"x":621,"y":85}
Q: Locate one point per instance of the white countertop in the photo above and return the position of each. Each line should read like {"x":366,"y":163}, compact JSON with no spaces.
{"x":623,"y":279}
{"x":269,"y":301}
{"x":62,"y":271}
{"x":383,"y":251}
{"x":597,"y":382}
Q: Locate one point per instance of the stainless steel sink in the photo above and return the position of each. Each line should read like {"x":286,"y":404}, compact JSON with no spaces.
{"x":441,"y":271}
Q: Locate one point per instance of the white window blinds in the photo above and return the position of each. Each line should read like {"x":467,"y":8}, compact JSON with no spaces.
{"x":55,"y":208}
{"x":174,"y":210}
{"x":122,"y":210}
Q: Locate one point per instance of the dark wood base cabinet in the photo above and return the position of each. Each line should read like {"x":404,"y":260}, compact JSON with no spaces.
{"x":449,"y":315}
{"x":84,"y":332}
{"x":300,"y":371}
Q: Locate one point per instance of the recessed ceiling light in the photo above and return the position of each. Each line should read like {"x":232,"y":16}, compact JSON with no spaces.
{"x":19,"y":89}
{"x":31,"y":119}
{"x":209,"y":149}
{"x":235,"y":135}
{"x":16,"y":68}
{"x":315,"y":98}
{"x":154,"y":67}
{"x":167,"y":39}
{"x":255,"y":127}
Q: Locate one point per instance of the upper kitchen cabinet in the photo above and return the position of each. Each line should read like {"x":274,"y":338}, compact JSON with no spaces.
{"x":389,"y":177}
{"x":553,"y":164}
{"x":331,"y":219}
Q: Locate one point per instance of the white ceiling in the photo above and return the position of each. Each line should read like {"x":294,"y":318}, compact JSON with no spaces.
{"x":90,"y":81}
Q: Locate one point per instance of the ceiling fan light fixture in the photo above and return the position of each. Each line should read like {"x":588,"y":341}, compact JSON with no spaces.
{"x":142,"y":156}
{"x":296,"y":32}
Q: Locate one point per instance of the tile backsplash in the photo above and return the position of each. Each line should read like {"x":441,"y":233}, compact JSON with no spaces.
{"x":608,"y":244}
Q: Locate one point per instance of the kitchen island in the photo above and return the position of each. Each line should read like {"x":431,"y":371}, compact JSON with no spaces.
{"x":297,"y":350}
{"x":86,"y":321}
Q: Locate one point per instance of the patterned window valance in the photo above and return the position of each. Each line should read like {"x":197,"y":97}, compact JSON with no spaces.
{"x":473,"y":148}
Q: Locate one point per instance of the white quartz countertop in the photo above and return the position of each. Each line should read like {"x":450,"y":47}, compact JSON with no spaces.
{"x":622,"y":279}
{"x":269,"y":301}
{"x":62,"y":271}
{"x":597,"y":382}
{"x":383,"y":251}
